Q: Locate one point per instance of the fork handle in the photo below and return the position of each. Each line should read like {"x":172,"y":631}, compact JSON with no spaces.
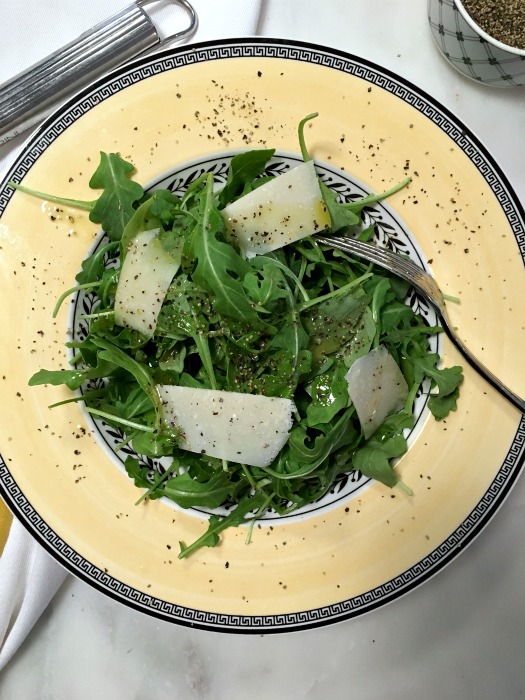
{"x":514,"y":399}
{"x":422,"y":281}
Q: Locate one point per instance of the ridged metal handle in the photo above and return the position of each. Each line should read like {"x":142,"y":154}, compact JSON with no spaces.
{"x":30,"y":96}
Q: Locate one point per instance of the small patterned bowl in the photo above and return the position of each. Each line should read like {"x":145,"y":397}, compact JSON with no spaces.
{"x":470,"y":49}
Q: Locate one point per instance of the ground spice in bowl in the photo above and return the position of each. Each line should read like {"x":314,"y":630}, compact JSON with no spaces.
{"x":504,"y":20}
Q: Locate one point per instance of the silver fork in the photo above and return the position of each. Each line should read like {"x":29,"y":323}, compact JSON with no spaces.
{"x":423,"y":282}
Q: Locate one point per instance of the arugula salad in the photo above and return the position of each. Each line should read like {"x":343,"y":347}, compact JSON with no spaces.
{"x":259,"y":362}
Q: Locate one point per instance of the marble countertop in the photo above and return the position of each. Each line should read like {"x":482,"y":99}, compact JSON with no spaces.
{"x":461,"y":635}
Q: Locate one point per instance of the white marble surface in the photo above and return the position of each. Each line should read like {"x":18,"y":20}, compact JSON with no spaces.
{"x":461,"y":635}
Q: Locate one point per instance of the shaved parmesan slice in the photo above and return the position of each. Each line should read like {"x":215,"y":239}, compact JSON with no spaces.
{"x":376,"y":387}
{"x":146,"y":274}
{"x":279,"y":212}
{"x":245,"y":428}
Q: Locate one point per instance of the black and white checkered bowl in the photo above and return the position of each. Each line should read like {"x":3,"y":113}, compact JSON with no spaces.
{"x":471,"y":50}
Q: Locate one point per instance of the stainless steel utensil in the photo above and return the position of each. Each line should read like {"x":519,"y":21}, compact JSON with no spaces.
{"x":424,"y":283}
{"x":30,"y":96}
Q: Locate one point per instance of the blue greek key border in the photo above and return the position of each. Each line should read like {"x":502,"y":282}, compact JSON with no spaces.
{"x":172,"y":59}
{"x":175,"y":58}
{"x":396,"y":587}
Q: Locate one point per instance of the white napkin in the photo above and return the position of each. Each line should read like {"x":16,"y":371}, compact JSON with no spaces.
{"x":29,"y":576}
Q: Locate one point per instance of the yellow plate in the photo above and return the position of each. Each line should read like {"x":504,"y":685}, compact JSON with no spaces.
{"x":185,"y":104}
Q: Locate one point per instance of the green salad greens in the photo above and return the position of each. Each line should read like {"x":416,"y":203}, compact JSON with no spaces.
{"x":289,"y":323}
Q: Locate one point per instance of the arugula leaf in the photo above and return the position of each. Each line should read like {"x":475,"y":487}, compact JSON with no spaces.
{"x":395,"y":315}
{"x":278,"y":377}
{"x":441,"y":406}
{"x":185,"y":313}
{"x":358,"y":205}
{"x":139,"y":475}
{"x":446,"y":379}
{"x":332,"y":324}
{"x":361,"y":343}
{"x":72,"y":378}
{"x":114,"y":208}
{"x":125,"y":400}
{"x":329,"y":394}
{"x":330,"y":439}
{"x":216,"y":524}
{"x":155,"y":444}
{"x":345,"y":215}
{"x":382,"y":292}
{"x":300,"y":133}
{"x":67,"y":201}
{"x":93,"y":267}
{"x":140,"y":220}
{"x":265,"y":287}
{"x":165,"y":206}
{"x":373,"y":462}
{"x":392,"y":427}
{"x":342,"y":215}
{"x":220,"y":269}
{"x":188,"y":492}
{"x":244,"y":169}
{"x":111,"y":353}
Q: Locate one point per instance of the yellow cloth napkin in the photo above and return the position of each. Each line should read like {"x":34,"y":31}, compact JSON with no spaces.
{"x":5,"y":524}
